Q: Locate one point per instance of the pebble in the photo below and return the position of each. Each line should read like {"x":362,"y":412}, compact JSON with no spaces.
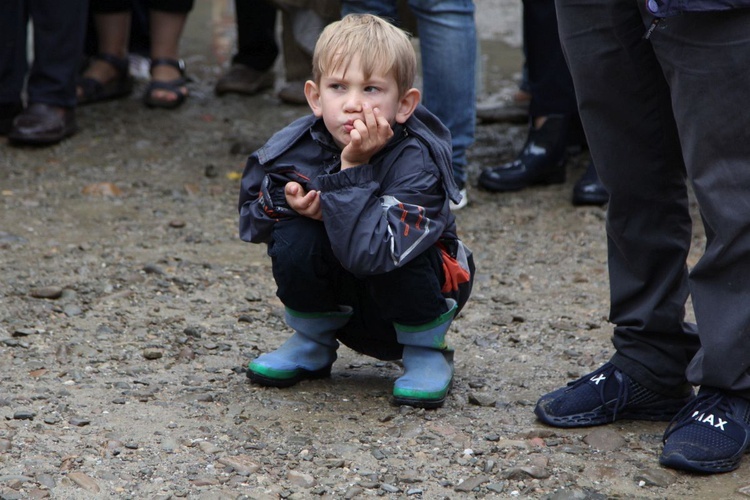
{"x":242,"y":464}
{"x":47,"y":292}
{"x":24,"y":415}
{"x":5,"y":445}
{"x":656,"y":477}
{"x":84,"y":481}
{"x":79,"y":422}
{"x":471,"y":483}
{"x":23,"y":332}
{"x":301,"y":479}
{"x":152,"y":353}
{"x":604,"y":439}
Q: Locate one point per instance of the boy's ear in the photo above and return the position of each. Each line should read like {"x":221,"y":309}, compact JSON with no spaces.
{"x":312,"y":93}
{"x":408,"y":104}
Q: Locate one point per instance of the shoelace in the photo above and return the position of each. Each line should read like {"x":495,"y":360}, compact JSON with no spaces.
{"x":703,"y":403}
{"x":623,"y":389}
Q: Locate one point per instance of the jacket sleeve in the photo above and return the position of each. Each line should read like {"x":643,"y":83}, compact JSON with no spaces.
{"x":262,"y":200}
{"x":374,"y":229}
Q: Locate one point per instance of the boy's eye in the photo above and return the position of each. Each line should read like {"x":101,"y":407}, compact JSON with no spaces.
{"x":336,"y":86}
{"x":371,"y":88}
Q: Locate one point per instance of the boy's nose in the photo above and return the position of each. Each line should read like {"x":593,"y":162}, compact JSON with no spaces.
{"x":354,"y":102}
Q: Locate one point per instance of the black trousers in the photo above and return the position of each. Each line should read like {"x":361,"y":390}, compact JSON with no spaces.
{"x":59,"y":30}
{"x":660,"y":113}
{"x":256,"y":34}
{"x":309,"y":278}
{"x":549,"y":80}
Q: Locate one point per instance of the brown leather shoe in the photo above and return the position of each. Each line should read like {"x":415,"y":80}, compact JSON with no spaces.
{"x":42,"y":124}
{"x":243,"y":79}
{"x":293,"y":93}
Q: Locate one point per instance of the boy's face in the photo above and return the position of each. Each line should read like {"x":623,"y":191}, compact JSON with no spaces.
{"x":339,"y":97}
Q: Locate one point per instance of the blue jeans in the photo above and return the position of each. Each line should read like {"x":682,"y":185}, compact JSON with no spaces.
{"x":448,"y":44}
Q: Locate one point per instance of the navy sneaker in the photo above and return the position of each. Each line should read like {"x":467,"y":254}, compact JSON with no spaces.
{"x":603,"y":396}
{"x":709,"y":435}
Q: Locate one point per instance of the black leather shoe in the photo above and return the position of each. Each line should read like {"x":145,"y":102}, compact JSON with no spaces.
{"x":589,"y":190}
{"x":541,"y":161}
{"x":8,"y":112}
{"x":42,"y":124}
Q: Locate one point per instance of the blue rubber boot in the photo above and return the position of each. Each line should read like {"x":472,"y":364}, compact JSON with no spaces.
{"x":428,"y":363}
{"x":306,"y":355}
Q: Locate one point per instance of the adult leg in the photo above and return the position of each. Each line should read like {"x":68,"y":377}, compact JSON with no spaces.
{"x":717,"y":158}
{"x":251,"y":69}
{"x":168,"y":18}
{"x":13,"y":63}
{"x":627,"y":114}
{"x":59,"y":30}
{"x":108,"y":74}
{"x":448,"y":45}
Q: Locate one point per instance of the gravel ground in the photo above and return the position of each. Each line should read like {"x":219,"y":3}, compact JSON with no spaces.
{"x":129,"y":308}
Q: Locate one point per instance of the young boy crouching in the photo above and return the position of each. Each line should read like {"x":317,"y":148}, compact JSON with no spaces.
{"x":353,"y":203}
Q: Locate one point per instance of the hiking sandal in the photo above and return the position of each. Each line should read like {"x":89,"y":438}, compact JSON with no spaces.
{"x":173,"y":86}
{"x":93,"y":90}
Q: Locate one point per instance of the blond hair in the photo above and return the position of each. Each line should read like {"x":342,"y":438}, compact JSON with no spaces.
{"x":381,"y":47}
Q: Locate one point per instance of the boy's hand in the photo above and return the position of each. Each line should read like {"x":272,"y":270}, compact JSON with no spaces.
{"x":304,"y":203}
{"x":367,"y":138}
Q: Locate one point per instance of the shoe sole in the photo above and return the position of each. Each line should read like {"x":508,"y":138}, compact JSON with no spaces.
{"x":662,"y":413}
{"x":297,"y":376}
{"x":426,"y":403}
{"x":678,"y":461}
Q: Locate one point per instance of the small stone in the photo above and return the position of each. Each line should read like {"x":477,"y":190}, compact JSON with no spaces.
{"x":604,"y":439}
{"x":47,"y":292}
{"x":177,"y":223}
{"x":5,"y":445}
{"x":656,"y":477}
{"x":482,"y":399}
{"x":471,"y":483}
{"x":152,"y":353}
{"x":301,"y":479}
{"x":79,"y":422}
{"x":84,"y":481}
{"x":23,"y":332}
{"x":24,"y":415}
{"x":242,"y":464}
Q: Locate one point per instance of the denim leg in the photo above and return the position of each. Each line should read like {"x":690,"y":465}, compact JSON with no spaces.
{"x":448,"y":44}
{"x":626,"y":110}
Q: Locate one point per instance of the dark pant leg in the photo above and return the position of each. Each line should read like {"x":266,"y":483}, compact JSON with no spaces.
{"x":704,"y":58}
{"x":549,"y":80}
{"x":13,"y":63}
{"x":59,"y":31}
{"x":626,"y":110}
{"x":410,"y":295}
{"x":308,"y":276}
{"x":256,"y":34}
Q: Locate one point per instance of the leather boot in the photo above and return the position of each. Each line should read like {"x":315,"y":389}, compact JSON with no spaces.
{"x":541,"y":161}
{"x":428,"y":363}
{"x":589,"y":190}
{"x":306,"y":355}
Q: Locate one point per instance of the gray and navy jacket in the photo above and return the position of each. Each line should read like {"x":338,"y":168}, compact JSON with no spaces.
{"x":667,"y":8}
{"x":379,"y":215}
